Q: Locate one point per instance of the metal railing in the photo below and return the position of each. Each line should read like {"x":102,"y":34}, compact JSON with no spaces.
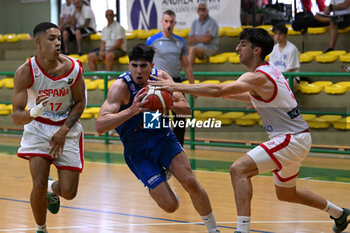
{"x":193,"y":142}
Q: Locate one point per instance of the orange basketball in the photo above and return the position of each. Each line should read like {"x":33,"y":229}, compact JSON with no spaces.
{"x":157,"y":100}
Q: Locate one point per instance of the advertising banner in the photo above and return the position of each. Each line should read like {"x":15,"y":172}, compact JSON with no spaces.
{"x":146,"y":14}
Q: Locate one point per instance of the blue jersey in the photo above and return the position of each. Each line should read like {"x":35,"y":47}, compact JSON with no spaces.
{"x":147,"y":152}
{"x":134,"y":123}
{"x":131,"y":131}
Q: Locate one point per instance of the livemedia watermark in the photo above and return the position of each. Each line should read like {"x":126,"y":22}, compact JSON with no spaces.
{"x":155,"y":120}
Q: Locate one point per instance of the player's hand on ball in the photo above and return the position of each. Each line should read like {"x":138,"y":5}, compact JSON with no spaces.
{"x":137,"y":105}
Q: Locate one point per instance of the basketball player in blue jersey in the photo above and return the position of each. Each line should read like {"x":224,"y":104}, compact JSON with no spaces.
{"x":51,"y":85}
{"x":149,"y":153}
{"x":290,"y":140}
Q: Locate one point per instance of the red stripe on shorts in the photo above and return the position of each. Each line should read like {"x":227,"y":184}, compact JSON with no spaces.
{"x":270,"y":152}
{"x":25,"y":155}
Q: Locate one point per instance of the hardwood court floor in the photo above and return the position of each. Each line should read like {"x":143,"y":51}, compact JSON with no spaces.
{"x":111,"y":199}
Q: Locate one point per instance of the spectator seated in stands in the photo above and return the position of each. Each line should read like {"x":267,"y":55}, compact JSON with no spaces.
{"x":203,"y":36}
{"x":85,"y":24}
{"x":113,"y":44}
{"x":337,"y":14}
{"x":285,"y":55}
{"x":67,"y":10}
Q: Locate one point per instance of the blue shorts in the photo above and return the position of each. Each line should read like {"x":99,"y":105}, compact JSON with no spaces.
{"x":148,"y":161}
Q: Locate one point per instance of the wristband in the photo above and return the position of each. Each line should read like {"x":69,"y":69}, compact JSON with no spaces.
{"x":36,"y":111}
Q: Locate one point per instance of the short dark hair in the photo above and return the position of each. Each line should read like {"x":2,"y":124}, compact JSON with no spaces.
{"x":281,"y":28}
{"x":259,"y":38}
{"x":169,"y":12}
{"x":42,"y":27}
{"x":141,"y":52}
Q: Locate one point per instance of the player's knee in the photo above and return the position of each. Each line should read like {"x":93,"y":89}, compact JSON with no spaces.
{"x":190,"y":183}
{"x":171,"y":206}
{"x":68,"y":193}
{"x":235,"y":170}
{"x":40,"y":186}
{"x":285,"y":196}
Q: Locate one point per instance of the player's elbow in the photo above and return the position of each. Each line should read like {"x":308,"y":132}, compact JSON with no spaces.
{"x":99,"y":127}
{"x":100,"y":130}
{"x":17,"y":120}
{"x":217,"y":92}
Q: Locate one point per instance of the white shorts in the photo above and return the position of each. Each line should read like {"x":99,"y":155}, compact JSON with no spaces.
{"x":36,"y":142}
{"x":282,"y":155}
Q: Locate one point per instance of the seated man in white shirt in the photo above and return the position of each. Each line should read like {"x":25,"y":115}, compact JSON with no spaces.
{"x":67,"y":10}
{"x":113,"y":44}
{"x":85,"y":24}
{"x":204,"y":35}
{"x":285,"y":55}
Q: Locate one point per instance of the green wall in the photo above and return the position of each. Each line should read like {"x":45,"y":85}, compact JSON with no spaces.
{"x":17,"y":17}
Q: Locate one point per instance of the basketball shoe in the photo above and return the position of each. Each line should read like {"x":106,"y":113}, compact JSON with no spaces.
{"x":53,"y":201}
{"x":342,"y":222}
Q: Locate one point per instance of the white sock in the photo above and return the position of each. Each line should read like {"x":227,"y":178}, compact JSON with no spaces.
{"x":49,"y":186}
{"x":210,"y":223}
{"x":333,"y":210}
{"x":41,"y":228}
{"x":243,"y":224}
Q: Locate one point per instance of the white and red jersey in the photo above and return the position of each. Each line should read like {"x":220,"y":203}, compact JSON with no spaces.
{"x":280,"y":114}
{"x":57,"y":88}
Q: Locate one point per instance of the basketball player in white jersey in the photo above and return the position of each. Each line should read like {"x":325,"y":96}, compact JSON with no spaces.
{"x":51,"y":85}
{"x":290,"y":141}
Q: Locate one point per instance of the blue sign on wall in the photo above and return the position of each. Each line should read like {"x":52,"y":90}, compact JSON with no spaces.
{"x":143,"y":15}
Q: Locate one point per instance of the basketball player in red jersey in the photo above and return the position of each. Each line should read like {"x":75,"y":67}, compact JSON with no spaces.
{"x":290,"y":140}
{"x":51,"y":85}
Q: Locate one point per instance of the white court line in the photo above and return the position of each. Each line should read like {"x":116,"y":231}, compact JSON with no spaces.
{"x":263,"y":222}
{"x":155,"y":224}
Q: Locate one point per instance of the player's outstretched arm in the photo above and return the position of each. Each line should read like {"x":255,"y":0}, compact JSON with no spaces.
{"x":247,"y":82}
{"x":243,"y":97}
{"x":22,"y":80}
{"x":118,"y":95}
